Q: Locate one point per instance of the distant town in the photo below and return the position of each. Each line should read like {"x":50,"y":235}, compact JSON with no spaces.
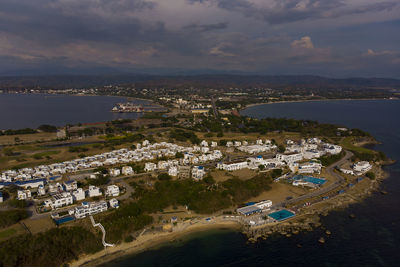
{"x":199,"y":93}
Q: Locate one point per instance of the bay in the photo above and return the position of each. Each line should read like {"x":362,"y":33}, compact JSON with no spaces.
{"x":32,"y":110}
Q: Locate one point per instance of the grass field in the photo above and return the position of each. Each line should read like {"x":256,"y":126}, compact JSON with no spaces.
{"x":347,"y":143}
{"x":27,"y":138}
{"x":7,"y":233}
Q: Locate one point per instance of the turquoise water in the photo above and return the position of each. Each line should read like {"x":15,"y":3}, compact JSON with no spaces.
{"x":310,"y":179}
{"x":281,"y":215}
{"x":314,"y":180}
{"x":371,"y":238}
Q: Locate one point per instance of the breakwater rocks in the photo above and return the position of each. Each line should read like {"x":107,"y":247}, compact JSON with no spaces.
{"x":288,"y":228}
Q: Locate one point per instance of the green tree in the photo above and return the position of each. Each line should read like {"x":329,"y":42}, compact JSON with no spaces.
{"x":164,"y":177}
{"x":8,"y":151}
{"x":370,"y":175}
{"x":48,"y":128}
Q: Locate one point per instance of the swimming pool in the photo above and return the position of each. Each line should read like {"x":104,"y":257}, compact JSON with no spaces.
{"x":281,"y":215}
{"x":319,"y":181}
{"x":310,"y":179}
{"x":63,"y":220}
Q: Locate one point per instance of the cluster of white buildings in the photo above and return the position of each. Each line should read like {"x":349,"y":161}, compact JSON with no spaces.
{"x":68,"y":193}
{"x":259,"y":147}
{"x":312,"y":148}
{"x":144,"y":152}
{"x":252,"y":163}
{"x":358,"y":168}
{"x":192,"y":156}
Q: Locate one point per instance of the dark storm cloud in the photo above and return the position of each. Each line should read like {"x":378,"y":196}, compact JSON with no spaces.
{"x":285,"y":11}
{"x":189,"y":34}
{"x":54,"y":22}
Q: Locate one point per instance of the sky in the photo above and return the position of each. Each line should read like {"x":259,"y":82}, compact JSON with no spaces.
{"x":334,"y":38}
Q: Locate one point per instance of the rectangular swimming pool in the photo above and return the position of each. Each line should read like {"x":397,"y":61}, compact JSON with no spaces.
{"x":64,"y":220}
{"x":319,"y":181}
{"x":281,"y":215}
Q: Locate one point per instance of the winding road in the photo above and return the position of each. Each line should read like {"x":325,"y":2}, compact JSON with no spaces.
{"x":330,"y":169}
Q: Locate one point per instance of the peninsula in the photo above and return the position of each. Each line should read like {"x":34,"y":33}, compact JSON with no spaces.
{"x":168,"y":174}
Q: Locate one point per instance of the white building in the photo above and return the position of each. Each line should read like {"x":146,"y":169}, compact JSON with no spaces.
{"x":312,"y":154}
{"x":94,"y":191}
{"x":90,"y":208}
{"x":115,"y":172}
{"x":347,"y":171}
{"x":264,"y":204}
{"x":204,"y":143}
{"x":145,"y":143}
{"x":78,"y":194}
{"x":150,"y":166}
{"x":34,"y":183}
{"x":112,"y":190}
{"x":113,"y":203}
{"x":55,"y":188}
{"x":310,"y":167}
{"x":41,"y":190}
{"x":362,"y":166}
{"x":173,"y":171}
{"x":290,"y":157}
{"x":61,"y":199}
{"x":232,"y":166}
{"x":198,"y":172}
{"x":24,"y":194}
{"x":70,"y":185}
{"x":127,"y":170}
{"x":333,"y":149}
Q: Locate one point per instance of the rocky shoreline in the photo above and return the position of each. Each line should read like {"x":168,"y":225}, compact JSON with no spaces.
{"x":309,"y":218}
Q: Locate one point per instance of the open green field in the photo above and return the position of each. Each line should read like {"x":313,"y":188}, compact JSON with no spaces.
{"x":7,"y":233}
{"x":348,"y":143}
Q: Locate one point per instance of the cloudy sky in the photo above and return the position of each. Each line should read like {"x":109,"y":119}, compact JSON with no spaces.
{"x":337,"y":38}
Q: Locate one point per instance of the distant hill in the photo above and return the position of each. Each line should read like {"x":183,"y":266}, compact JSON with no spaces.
{"x":210,"y":81}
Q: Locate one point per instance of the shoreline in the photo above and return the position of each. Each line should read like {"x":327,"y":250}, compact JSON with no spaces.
{"x":313,"y":100}
{"x":148,"y":242}
{"x":306,"y":219}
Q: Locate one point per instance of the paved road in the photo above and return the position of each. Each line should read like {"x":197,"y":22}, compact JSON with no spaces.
{"x":323,"y":190}
{"x":214,"y":107}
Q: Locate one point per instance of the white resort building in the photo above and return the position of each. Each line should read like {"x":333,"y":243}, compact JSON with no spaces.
{"x":90,"y":208}
{"x":112,"y":190}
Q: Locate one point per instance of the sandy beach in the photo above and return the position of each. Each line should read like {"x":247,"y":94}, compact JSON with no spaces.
{"x":151,"y":240}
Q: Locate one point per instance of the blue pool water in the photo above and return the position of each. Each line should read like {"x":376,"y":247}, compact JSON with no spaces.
{"x":310,"y":179}
{"x":314,"y":180}
{"x":281,"y":215}
{"x":64,"y":220}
